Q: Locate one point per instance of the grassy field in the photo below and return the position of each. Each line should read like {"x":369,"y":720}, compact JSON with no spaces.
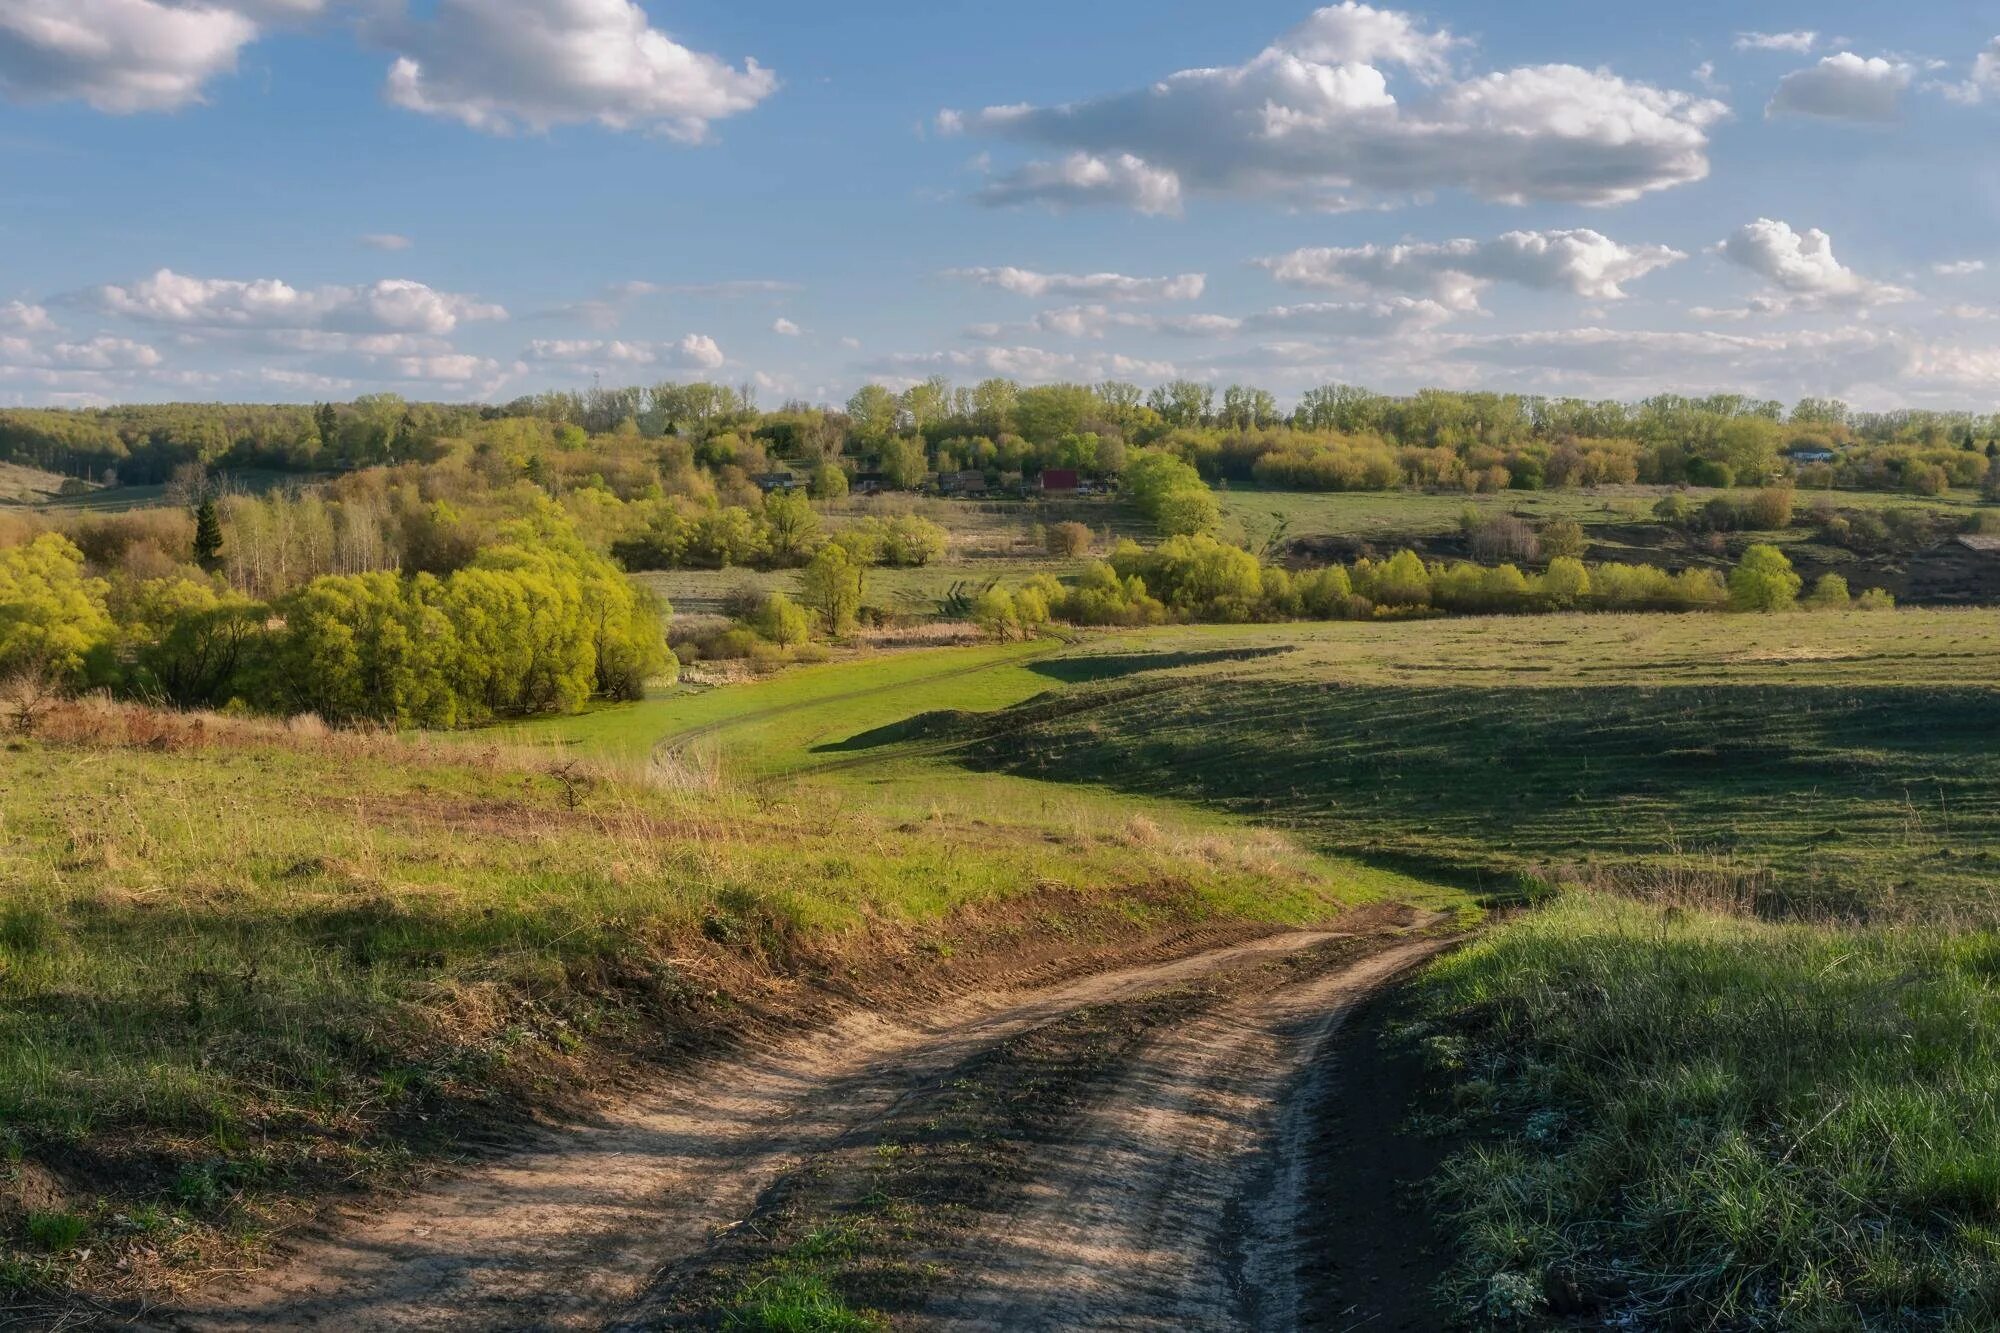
{"x":241,"y":964}
{"x":1834,"y":761}
{"x":22,"y":485}
{"x":843,"y":728}
{"x":117,"y":499}
{"x":1691,"y":1121}
{"x":1256,"y":513}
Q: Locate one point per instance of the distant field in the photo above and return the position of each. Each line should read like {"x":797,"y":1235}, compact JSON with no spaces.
{"x":20,"y":485}
{"x":843,"y":727}
{"x":1839,"y":761}
{"x":116,"y":499}
{"x":1257,"y":512}
{"x":913,"y":592}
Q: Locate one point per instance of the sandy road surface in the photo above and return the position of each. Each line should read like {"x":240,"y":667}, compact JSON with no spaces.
{"x":566,"y":1233}
{"x":1177,"y":1203}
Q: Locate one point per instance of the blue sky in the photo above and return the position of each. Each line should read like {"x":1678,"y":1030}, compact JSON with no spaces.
{"x":296,"y":199}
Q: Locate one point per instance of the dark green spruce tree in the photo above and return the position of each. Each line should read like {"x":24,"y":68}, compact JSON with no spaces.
{"x":207,"y":535}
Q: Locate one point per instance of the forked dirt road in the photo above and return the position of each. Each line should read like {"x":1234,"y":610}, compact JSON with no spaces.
{"x":1172,"y":1200}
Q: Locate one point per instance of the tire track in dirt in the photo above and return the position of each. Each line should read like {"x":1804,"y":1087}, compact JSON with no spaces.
{"x":1178,"y":1202}
{"x":567,"y":1231}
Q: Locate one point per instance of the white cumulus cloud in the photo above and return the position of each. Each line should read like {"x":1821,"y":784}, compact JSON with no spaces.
{"x":393,"y":305}
{"x":1315,"y":120}
{"x":1454,"y":273}
{"x":1090,"y":286}
{"x":1030,"y":365}
{"x":1797,"y":43}
{"x":1086,"y":178}
{"x":24,"y":318}
{"x":1983,"y":81}
{"x":120,"y":56}
{"x":785,"y":328}
{"x":1844,"y":87}
{"x":695,"y":351}
{"x":498,"y":65}
{"x":1802,"y":267}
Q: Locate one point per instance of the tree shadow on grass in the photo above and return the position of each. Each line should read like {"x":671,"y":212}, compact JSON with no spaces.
{"x":1114,"y":666}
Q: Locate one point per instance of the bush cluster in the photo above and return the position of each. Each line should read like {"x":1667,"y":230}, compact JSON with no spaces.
{"x":1197,"y":578}
{"x":536,"y":623}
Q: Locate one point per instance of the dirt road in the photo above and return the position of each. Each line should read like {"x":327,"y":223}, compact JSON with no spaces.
{"x":1171,"y":1200}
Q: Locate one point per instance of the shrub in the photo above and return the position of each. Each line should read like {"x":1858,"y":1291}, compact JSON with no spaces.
{"x":782,"y":621}
{"x":1068,"y":539}
{"x":1926,"y":479}
{"x":51,"y":614}
{"x":1708,"y":472}
{"x":1171,"y":494}
{"x":1197,"y":575}
{"x":1563,"y":537}
{"x":1500,"y":538}
{"x":1565,"y":584}
{"x":1674,"y":508}
{"x":912,"y":542}
{"x":1770,"y":509}
{"x":1829,"y":593}
{"x":1401,"y":582}
{"x":1100,"y":596}
{"x":994,"y":612}
{"x":1764,"y":581}
{"x":829,"y":482}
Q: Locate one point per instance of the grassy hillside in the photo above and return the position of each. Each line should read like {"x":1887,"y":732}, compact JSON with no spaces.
{"x":23,"y":485}
{"x":241,"y":964}
{"x":1690,"y":1121}
{"x":1839,"y":761}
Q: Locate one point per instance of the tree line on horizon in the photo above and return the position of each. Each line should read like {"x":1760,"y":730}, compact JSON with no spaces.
{"x":1338,"y":437}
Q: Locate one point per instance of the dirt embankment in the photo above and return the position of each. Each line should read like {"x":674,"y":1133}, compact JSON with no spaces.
{"x":1115,"y":1150}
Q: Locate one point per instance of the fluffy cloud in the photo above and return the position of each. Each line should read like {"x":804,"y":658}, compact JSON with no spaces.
{"x":100,"y":353}
{"x":453,"y":368}
{"x":1802,"y":267}
{"x":120,"y":56}
{"x":1097,"y":321}
{"x":700,"y":352}
{"x":497,"y":65}
{"x":1798,"y":43}
{"x":1356,"y":34}
{"x":1312,"y":121}
{"x":1090,"y":286}
{"x":1085,"y":178}
{"x":1984,"y":81}
{"x":1032,"y":365}
{"x":24,"y":318}
{"x":394,"y":305}
{"x":785,"y":328}
{"x":1962,"y":268}
{"x":1844,"y":87}
{"x":1782,"y":365}
{"x":1454,"y":273}
{"x":1881,"y":367}
{"x":694,"y":352}
{"x":1355,"y":319}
